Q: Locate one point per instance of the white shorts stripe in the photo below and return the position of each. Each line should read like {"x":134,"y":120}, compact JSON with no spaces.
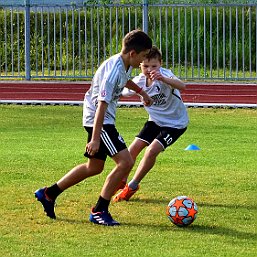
{"x":108,"y":143}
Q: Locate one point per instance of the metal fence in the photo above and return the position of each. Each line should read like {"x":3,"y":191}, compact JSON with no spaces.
{"x":198,"y":42}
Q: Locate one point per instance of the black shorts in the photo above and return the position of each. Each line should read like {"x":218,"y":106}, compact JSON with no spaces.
{"x":165,"y":135}
{"x":111,"y":142}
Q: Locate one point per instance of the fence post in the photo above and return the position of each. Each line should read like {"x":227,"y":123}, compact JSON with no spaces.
{"x":145,"y":16}
{"x":27,"y":40}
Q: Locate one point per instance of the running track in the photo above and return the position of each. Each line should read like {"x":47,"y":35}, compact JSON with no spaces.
{"x":196,"y":94}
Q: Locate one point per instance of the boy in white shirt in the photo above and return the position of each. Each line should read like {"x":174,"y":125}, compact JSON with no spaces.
{"x":167,"y":120}
{"x":99,"y":114}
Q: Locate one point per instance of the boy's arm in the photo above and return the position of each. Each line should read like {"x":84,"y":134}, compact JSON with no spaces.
{"x":93,"y":146}
{"x":173,"y":81}
{"x":147,"y":100}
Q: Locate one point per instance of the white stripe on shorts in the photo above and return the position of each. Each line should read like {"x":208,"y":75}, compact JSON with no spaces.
{"x":108,"y":143}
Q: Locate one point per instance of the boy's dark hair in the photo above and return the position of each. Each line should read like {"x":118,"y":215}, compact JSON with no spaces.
{"x":136,"y":40}
{"x":154,"y":53}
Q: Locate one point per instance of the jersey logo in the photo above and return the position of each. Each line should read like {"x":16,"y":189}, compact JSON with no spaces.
{"x":103,"y":93}
{"x":159,"y":99}
{"x":158,"y":89}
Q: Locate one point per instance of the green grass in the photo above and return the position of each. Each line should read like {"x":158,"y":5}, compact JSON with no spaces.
{"x":39,"y":144}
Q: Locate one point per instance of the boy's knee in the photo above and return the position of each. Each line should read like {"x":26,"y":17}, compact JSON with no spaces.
{"x":151,"y":152}
{"x":128,"y":163}
{"x":131,"y":163}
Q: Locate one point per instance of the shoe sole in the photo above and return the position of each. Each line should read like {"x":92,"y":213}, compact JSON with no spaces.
{"x":104,"y":224}
{"x":116,"y":200}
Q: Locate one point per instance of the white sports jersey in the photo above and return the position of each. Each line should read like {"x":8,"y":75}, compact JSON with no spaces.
{"x":107,"y":85}
{"x":168,"y":109}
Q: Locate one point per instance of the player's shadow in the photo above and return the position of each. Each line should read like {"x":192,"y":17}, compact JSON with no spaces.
{"x":195,"y":228}
{"x":150,"y":200}
{"x":199,"y":204}
{"x":219,"y":230}
{"x":200,"y":229}
{"x":71,"y":221}
{"x":230,"y":206}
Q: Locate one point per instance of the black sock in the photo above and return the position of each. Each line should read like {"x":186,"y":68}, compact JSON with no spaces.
{"x":101,"y":205}
{"x":53,"y":191}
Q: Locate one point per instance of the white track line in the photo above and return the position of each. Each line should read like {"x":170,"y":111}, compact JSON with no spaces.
{"x":122,"y":103}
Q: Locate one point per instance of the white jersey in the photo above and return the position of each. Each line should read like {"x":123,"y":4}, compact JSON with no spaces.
{"x":168,"y":109}
{"x":107,"y":85}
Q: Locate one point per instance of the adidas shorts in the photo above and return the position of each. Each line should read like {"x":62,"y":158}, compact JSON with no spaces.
{"x":111,"y":142}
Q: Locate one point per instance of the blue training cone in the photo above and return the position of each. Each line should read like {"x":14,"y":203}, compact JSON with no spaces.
{"x":192,"y":147}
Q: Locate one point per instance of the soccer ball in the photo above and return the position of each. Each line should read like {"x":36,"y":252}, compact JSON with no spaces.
{"x":182,"y":211}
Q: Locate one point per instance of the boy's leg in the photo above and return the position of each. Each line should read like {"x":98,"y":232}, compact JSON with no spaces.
{"x":77,"y":174}
{"x":124,"y":164}
{"x":135,"y":149}
{"x":100,"y":214}
{"x":143,"y":168}
{"x":167,"y":137}
{"x":148,"y":161}
{"x":145,"y":138}
{"x":47,"y":196}
{"x":116,"y":148}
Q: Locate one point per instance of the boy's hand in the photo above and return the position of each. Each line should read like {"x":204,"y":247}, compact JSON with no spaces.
{"x":155,"y":74}
{"x":92,"y":147}
{"x":146,"y":99}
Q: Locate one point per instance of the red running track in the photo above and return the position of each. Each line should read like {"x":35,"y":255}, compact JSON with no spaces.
{"x":216,"y":93}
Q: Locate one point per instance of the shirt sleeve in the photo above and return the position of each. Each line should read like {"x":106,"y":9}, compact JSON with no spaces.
{"x":128,"y":92}
{"x":105,"y":91}
{"x":167,"y":73}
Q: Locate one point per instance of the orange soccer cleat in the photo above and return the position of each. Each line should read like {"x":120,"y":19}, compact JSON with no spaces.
{"x":125,"y":194}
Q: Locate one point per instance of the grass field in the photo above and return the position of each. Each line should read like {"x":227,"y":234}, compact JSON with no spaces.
{"x":41,"y":143}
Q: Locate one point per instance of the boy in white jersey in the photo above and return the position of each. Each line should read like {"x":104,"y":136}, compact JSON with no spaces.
{"x":99,"y":113}
{"x":167,"y":120}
